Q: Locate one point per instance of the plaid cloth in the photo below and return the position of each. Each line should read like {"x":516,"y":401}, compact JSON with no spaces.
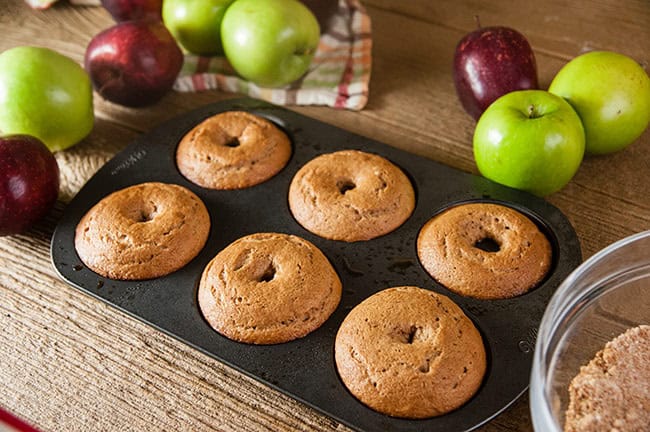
{"x":338,"y":76}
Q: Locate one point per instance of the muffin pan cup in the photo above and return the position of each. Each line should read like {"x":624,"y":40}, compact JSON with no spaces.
{"x":304,"y":369}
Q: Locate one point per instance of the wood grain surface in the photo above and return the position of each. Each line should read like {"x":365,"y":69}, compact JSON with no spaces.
{"x":69,"y":362}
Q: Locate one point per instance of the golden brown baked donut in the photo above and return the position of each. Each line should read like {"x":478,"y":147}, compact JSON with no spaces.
{"x":351,"y":195}
{"x":268,"y":288}
{"x":232,"y":150}
{"x":448,"y":249}
{"x":143,"y":231}
{"x":409,"y":352}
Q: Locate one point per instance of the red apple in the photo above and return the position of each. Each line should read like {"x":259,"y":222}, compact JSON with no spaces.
{"x":131,"y":10}
{"x":489,"y":63}
{"x":133,"y":63}
{"x":29,"y":182}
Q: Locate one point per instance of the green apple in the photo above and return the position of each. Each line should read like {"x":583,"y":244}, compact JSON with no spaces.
{"x":196,"y":24}
{"x":44,"y":94}
{"x":270,"y":42}
{"x":530,"y":140}
{"x":611,"y":94}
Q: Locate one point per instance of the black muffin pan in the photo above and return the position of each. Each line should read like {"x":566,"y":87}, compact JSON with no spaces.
{"x":304,"y":369}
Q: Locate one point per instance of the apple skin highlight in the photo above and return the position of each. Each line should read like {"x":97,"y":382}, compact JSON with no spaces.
{"x":46,"y":95}
{"x":611,"y":94}
{"x":530,"y":140}
{"x":134,"y":63}
{"x":270,"y":42}
{"x":490,"y":62}
{"x":29,"y":182}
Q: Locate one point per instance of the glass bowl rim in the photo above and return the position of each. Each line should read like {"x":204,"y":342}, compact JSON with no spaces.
{"x":562,"y":300}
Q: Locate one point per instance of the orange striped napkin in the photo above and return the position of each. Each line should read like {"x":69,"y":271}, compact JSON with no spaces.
{"x":338,"y":76}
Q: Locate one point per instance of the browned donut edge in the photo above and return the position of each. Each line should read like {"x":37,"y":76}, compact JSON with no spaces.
{"x":351,"y":195}
{"x":411,"y":353}
{"x":268,"y":288}
{"x":114,"y":242}
{"x":212,"y":163}
{"x":446,"y":249}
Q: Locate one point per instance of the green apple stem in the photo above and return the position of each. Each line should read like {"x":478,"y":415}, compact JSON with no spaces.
{"x":531,"y":111}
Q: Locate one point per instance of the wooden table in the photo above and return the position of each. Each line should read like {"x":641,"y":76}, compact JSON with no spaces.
{"x":69,"y":362}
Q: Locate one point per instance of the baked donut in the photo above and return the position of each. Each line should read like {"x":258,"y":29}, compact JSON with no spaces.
{"x":350,"y":195}
{"x":450,"y":249}
{"x":268,"y":288}
{"x":409,"y":352}
{"x":143,"y":231}
{"x":232,"y":150}
{"x":612,"y":392}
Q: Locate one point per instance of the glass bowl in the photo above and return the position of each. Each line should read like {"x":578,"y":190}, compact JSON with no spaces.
{"x":606,"y":295}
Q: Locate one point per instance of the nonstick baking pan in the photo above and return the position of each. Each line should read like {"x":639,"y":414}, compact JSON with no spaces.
{"x":304,"y":369}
